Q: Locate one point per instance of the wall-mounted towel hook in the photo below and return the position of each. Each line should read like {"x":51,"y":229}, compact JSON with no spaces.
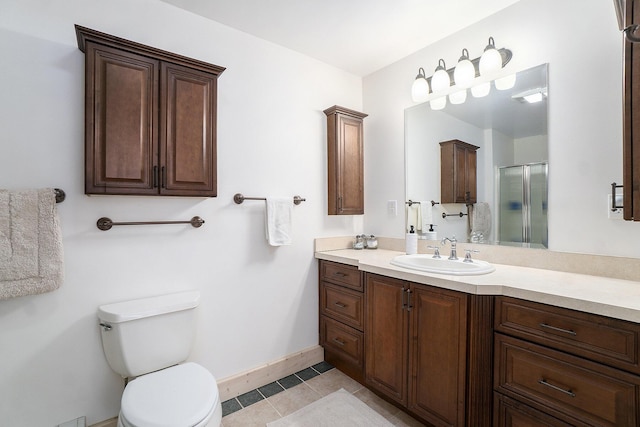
{"x":60,"y":195}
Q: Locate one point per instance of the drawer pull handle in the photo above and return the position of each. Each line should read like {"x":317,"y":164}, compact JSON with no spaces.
{"x":339,"y":342}
{"x":339,"y":304}
{"x":340,"y":274}
{"x":553,"y":328}
{"x":545,"y":383}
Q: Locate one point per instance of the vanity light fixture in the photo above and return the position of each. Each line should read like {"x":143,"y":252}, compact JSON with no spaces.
{"x":476,"y":74}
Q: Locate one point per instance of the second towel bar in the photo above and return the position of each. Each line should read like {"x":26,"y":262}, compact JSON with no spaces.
{"x":105,"y":223}
{"x":239,"y":198}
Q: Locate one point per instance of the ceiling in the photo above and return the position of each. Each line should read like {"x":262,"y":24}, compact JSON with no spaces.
{"x":358,"y":36}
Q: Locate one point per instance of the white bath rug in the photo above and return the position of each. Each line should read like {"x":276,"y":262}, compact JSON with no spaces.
{"x":339,"y":409}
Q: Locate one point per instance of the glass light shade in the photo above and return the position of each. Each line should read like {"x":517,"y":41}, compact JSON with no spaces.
{"x":438,"y":103}
{"x":491,"y":60}
{"x":464,"y":72}
{"x":506,"y":82}
{"x":440,"y":80}
{"x":420,"y":87}
{"x":458,"y":97}
{"x":481,"y":90}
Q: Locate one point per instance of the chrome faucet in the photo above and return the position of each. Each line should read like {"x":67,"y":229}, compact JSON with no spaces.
{"x":454,"y":242}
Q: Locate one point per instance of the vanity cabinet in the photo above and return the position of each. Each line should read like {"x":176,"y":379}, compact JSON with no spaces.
{"x":428,"y":349}
{"x":564,"y":367}
{"x":342,"y":308}
{"x":458,"y":177}
{"x":150,"y":119}
{"x":345,"y":156}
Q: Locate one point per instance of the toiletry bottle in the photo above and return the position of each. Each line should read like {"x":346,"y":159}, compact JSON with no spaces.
{"x":431,"y":234}
{"x":411,"y":242}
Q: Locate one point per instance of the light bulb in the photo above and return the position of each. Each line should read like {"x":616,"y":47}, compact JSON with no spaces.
{"x":506,"y":82}
{"x":464,"y":72}
{"x":481,"y":90}
{"x":440,"y":81}
{"x":458,"y":97}
{"x":491,"y":60}
{"x":420,"y":87}
{"x":438,"y":103}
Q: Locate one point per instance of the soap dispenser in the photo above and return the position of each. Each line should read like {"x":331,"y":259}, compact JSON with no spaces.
{"x":411,"y":242}
{"x":431,"y":234}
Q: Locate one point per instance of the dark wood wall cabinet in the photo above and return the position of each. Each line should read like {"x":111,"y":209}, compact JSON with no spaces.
{"x":628,"y":12}
{"x":559,"y":367}
{"x":458,"y":180}
{"x":345,"y":153}
{"x":150,"y":119}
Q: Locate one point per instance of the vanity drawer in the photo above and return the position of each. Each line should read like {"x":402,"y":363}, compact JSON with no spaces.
{"x":342,"y":304}
{"x":511,"y":413}
{"x":565,"y":386}
{"x":341,"y":274}
{"x":346,"y":342}
{"x":610,"y":341}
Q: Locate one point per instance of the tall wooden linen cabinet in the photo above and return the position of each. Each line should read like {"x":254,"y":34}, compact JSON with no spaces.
{"x":150,"y":119}
{"x":345,"y":153}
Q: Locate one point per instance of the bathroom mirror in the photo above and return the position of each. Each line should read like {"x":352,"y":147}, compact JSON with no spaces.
{"x":513,"y":140}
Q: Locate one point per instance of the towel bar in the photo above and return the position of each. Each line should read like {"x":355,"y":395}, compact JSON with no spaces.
{"x":105,"y":223}
{"x":444,"y":215}
{"x":239,"y":198}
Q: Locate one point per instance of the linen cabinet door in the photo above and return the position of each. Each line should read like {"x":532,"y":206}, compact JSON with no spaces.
{"x":188,"y":148}
{"x":437,"y":352}
{"x":386,"y":336}
{"x":121,"y":108}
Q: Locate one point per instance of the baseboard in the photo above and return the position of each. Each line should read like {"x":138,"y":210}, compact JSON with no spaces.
{"x":241,"y":383}
{"x":111,"y":422}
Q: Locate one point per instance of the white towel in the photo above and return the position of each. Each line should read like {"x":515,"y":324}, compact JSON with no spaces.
{"x":414,"y":217}
{"x":31,"y":256}
{"x":278,"y":220}
{"x":480,"y":219}
{"x":427,"y":214}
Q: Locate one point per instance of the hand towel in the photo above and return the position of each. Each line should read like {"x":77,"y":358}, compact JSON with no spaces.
{"x":480,"y":219}
{"x":31,"y":255}
{"x":414,"y":217}
{"x":427,"y":214}
{"x":278,"y":220}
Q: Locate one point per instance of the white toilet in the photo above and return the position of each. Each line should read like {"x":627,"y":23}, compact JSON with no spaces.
{"x":146,"y":339}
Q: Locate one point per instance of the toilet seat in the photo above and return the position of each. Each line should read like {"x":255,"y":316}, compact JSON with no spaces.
{"x":180,"y":396}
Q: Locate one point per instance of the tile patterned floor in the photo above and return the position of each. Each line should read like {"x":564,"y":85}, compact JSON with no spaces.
{"x":287,"y":395}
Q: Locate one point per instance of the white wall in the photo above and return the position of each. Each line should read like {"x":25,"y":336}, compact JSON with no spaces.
{"x":581,"y":42}
{"x":258,"y":303}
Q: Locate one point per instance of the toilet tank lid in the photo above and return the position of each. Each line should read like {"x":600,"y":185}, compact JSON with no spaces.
{"x":147,"y":307}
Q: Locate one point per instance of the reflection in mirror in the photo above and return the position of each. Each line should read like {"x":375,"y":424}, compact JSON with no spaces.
{"x":512,"y":163}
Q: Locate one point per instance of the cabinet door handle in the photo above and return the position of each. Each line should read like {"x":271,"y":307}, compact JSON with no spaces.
{"x":409,"y":306}
{"x":339,"y":342}
{"x":555,"y":387}
{"x":155,"y":177}
{"x":339,"y":304}
{"x":164,"y":178}
{"x":554,"y":328}
{"x":339,"y":204}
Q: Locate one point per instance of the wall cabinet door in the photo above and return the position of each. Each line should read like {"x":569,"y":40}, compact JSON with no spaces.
{"x":631,"y":145}
{"x":458,"y":164}
{"x":121,"y":121}
{"x":437,"y":350}
{"x":386,"y":336}
{"x":345,"y":149}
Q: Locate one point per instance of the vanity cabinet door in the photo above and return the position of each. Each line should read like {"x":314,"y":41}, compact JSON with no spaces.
{"x":345,"y":149}
{"x":387,"y":336}
{"x":438,"y":357}
{"x":631,"y":145}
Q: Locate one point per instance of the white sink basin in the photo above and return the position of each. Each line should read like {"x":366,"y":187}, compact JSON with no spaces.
{"x":429,"y":264}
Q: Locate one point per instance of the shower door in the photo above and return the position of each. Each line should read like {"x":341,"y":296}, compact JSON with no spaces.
{"x":522,"y":206}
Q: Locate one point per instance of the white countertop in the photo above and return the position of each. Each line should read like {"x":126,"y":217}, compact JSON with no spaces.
{"x":593,"y":294}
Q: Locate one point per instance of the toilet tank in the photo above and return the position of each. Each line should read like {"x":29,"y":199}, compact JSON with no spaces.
{"x":148,"y":334}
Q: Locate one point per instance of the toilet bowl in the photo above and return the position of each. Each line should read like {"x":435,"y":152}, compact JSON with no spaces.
{"x":181,"y":396}
{"x":148,"y":341}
